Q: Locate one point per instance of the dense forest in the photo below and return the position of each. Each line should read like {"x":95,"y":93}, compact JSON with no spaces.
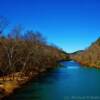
{"x":26,"y":54}
{"x":90,"y":56}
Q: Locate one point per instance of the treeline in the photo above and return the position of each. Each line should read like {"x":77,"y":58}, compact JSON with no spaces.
{"x":27,"y":53}
{"x":90,"y":56}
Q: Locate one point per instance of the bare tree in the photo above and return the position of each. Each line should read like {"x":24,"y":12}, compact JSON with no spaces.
{"x":27,"y":55}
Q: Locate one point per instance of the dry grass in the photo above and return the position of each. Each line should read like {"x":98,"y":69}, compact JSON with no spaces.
{"x":9,"y":85}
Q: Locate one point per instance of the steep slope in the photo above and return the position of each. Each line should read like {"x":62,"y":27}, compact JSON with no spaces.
{"x":91,"y":56}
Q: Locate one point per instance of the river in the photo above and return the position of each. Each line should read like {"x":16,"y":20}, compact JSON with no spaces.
{"x":68,"y":82}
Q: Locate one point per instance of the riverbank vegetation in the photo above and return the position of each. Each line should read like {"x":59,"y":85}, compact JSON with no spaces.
{"x":25,"y":55}
{"x":89,"y":57}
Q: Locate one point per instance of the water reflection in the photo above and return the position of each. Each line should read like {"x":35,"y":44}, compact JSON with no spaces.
{"x":67,"y":81}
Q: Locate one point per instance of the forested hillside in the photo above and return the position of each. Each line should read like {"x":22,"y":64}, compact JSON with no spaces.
{"x":90,"y":56}
{"x":27,"y":54}
{"x":24,"y":55}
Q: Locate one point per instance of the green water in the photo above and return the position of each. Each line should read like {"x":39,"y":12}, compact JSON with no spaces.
{"x":70,"y":82}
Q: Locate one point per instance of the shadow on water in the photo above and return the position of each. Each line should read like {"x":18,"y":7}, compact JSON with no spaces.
{"x":31,"y":91}
{"x":70,"y":80}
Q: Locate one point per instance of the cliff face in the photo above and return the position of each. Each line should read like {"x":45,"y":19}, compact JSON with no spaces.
{"x":90,"y":56}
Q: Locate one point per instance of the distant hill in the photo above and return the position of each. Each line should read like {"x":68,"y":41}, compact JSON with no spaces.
{"x":72,"y":55}
{"x":77,"y":52}
{"x":90,"y":56}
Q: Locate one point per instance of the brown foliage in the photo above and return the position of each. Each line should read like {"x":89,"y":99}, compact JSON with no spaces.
{"x":27,"y":54}
{"x":91,"y":56}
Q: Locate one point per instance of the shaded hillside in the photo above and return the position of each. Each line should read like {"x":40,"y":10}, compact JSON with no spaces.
{"x":91,"y":56}
{"x":77,"y":52}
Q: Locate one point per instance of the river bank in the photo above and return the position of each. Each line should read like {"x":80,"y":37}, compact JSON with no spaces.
{"x":68,"y":82}
{"x":91,"y":65}
{"x":8,"y":86}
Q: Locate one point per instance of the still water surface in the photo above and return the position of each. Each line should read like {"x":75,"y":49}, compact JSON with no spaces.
{"x":70,"y":82}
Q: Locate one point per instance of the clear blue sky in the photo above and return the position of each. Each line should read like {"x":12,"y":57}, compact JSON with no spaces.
{"x":70,"y":24}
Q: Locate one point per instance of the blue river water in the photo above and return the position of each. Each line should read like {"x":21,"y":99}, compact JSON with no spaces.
{"x":68,"y":82}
